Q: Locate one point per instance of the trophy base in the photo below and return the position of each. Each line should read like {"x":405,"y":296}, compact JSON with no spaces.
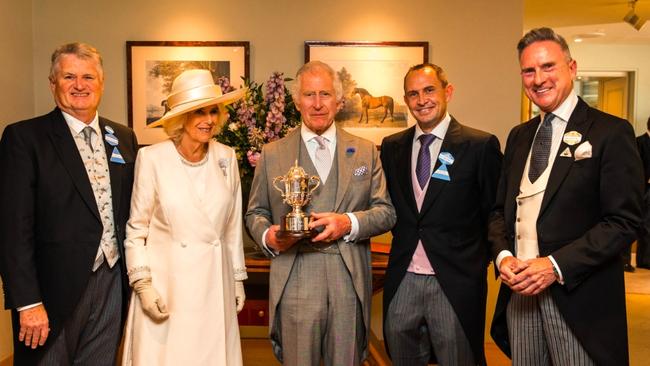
{"x":305,"y":234}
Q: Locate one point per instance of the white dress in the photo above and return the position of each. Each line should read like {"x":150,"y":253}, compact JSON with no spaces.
{"x":190,"y":241}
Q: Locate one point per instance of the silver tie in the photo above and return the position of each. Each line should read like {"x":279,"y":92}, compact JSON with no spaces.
{"x":323,"y":161}
{"x":88,"y":135}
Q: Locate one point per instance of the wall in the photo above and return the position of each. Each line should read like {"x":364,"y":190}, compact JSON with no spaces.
{"x":17,"y":96}
{"x":595,"y":57}
{"x":16,"y":64}
{"x":473,"y":40}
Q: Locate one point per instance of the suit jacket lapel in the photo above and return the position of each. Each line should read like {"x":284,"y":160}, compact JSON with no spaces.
{"x":453,"y":144}
{"x":347,"y":152}
{"x":404,"y":148}
{"x":577,"y":122}
{"x":69,"y":154}
{"x":519,"y":157}
{"x":114,"y":169}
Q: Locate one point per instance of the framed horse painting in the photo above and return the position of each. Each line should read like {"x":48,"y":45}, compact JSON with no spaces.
{"x":152,"y":66}
{"x":372,"y":74}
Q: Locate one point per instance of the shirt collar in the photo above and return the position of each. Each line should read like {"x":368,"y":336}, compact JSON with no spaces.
{"x":308,"y":135}
{"x":77,"y":125}
{"x":565,"y":109}
{"x":439,"y":131}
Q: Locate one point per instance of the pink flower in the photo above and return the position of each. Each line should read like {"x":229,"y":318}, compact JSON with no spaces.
{"x":253,"y":157}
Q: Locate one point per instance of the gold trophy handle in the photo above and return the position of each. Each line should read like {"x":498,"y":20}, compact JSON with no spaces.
{"x":314,"y":178}
{"x":282,"y":179}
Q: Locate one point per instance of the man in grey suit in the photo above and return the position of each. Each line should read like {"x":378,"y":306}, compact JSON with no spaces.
{"x":320,"y":289}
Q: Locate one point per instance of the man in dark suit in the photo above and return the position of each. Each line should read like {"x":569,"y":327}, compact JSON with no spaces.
{"x":568,"y":204}
{"x":642,"y":253}
{"x":65,"y":191}
{"x":442,"y":178}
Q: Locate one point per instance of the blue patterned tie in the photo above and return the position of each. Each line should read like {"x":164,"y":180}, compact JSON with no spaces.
{"x":423,"y":167}
{"x":541,"y":148}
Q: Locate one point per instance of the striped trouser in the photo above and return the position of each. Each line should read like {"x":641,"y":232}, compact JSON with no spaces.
{"x":539,"y":336}
{"x":420,"y":320}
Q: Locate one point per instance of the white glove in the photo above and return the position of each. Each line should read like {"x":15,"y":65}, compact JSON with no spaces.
{"x":240,"y":295}
{"x":152,"y":304}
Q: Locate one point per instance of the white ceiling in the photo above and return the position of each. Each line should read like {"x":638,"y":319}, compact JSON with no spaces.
{"x":573,"y":18}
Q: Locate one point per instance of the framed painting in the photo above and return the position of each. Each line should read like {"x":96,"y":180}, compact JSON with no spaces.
{"x":372,"y":74}
{"x":152,"y":66}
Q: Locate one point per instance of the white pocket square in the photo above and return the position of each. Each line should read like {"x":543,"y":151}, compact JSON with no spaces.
{"x":583,"y":151}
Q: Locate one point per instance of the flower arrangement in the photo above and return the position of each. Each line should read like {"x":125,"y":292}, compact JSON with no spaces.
{"x":257,"y":119}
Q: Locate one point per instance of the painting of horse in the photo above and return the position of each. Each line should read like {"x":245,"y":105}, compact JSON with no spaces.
{"x":370,"y":102}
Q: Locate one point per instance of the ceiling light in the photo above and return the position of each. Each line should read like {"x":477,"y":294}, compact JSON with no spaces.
{"x":632,"y":18}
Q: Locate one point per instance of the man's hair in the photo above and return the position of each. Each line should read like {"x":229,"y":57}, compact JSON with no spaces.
{"x":440,"y":73}
{"x":543,"y":34}
{"x":313,"y":66}
{"x":648,"y":124}
{"x":83,"y":51}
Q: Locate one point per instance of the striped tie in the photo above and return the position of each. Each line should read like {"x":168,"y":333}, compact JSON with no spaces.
{"x":423,"y":166}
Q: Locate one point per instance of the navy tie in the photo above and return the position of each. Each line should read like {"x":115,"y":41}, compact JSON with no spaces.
{"x":541,"y":148}
{"x":423,"y":167}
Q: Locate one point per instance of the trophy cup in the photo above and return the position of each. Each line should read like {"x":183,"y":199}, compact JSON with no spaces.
{"x":297,"y":190}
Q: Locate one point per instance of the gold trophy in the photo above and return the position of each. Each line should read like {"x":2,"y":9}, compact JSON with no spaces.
{"x":298,"y":187}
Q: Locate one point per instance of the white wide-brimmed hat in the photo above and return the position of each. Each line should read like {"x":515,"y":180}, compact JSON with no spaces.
{"x":192,"y":90}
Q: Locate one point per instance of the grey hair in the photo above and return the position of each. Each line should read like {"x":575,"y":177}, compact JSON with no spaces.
{"x":440,"y":73}
{"x":313,"y":66}
{"x":175,"y":126}
{"x":543,"y":34}
{"x":83,"y":51}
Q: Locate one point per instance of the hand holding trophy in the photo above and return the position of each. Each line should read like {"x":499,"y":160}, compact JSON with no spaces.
{"x":297,"y":190}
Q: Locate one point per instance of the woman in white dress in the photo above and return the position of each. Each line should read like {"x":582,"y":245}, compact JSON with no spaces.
{"x":184,"y":250}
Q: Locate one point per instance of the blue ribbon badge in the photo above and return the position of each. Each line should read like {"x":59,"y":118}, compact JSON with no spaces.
{"x":116,"y":156}
{"x":442,"y":173}
{"x":111,"y":139}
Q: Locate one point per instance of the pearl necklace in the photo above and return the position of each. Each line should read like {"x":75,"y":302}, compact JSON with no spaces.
{"x":191,"y":163}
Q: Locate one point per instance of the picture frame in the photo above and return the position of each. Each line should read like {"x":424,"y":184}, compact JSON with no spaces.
{"x":372,"y":74}
{"x":153,"y":65}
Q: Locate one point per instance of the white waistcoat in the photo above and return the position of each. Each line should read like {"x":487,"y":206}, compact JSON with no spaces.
{"x":529,"y":202}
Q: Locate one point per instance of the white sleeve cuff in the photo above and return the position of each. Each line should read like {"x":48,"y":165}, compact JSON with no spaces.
{"x":272,"y":252}
{"x":354,"y":228}
{"x":560,"y":279}
{"x":503,"y":254}
{"x":29,"y":306}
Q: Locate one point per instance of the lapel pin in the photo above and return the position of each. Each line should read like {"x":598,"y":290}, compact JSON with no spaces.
{"x":572,"y":137}
{"x":109,"y":129}
{"x":566,"y":153}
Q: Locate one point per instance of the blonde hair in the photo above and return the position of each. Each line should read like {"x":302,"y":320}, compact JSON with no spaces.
{"x":175,"y":126}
